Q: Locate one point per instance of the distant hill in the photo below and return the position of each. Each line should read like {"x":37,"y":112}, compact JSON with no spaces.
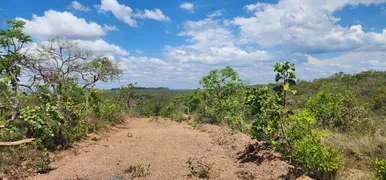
{"x":154,"y":88}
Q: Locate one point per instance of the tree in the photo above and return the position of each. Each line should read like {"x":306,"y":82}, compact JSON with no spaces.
{"x":12,"y":41}
{"x":221,"y":83}
{"x":54,"y":63}
{"x":99,"y":69}
{"x":286,"y":73}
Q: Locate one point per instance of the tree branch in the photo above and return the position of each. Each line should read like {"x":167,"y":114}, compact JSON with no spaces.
{"x":15,"y":143}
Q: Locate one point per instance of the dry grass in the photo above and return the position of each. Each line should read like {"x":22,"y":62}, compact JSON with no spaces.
{"x":358,"y":152}
{"x":18,"y":162}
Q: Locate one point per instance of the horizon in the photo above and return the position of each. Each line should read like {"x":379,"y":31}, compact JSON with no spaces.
{"x":174,"y":44}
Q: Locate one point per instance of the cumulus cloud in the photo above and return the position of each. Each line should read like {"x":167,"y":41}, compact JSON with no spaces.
{"x":155,"y":72}
{"x":216,"y":55}
{"x":101,"y":47}
{"x":155,"y":14}
{"x":211,"y":42}
{"x":306,"y":27}
{"x":187,"y":6}
{"x":127,"y":15}
{"x":350,"y":62}
{"x":75,"y":5}
{"x":64,"y":24}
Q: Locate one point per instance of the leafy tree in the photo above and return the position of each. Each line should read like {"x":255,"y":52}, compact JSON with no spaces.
{"x":54,"y":63}
{"x":99,"y":69}
{"x":12,"y":62}
{"x":219,"y":85}
{"x":285,"y":72}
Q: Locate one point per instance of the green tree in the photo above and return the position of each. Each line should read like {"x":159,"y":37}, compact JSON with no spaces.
{"x":100,"y":69}
{"x":285,"y":72}
{"x":12,"y":62}
{"x":219,"y":85}
{"x":53,"y":63}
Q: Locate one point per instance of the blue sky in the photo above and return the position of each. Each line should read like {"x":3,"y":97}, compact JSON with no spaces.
{"x":174,"y":43}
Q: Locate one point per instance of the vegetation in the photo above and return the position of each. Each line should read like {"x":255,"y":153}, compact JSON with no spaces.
{"x":138,"y":170}
{"x":337,"y":122}
{"x":323,"y":126}
{"x":198,"y":168}
{"x":52,"y":106}
{"x":380,"y":168}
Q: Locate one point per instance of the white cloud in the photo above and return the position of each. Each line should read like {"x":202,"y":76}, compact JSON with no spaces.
{"x":216,"y":14}
{"x":155,"y":14}
{"x":101,"y":47}
{"x":139,"y":51}
{"x":216,"y":55}
{"x":351,"y":62}
{"x":212,"y":43}
{"x":110,"y":27}
{"x":155,"y":72}
{"x":63,"y":24}
{"x":126,"y":13}
{"x":80,"y":7}
{"x":306,"y":26}
{"x":187,"y":6}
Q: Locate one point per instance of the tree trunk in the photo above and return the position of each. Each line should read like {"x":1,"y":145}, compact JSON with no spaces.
{"x":87,"y":114}
{"x":62,"y":139}
{"x":15,"y":99}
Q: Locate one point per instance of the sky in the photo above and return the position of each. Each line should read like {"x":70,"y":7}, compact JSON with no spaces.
{"x":174,"y":43}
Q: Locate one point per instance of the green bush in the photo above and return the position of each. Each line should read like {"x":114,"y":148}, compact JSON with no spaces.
{"x":266,"y":107}
{"x":307,"y":149}
{"x":320,"y":161}
{"x":380,"y":168}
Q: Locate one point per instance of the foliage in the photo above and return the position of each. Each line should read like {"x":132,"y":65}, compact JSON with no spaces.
{"x":44,"y":165}
{"x":266,"y":105}
{"x":221,"y":83}
{"x":336,"y":108}
{"x":51,"y":105}
{"x":219,"y":86}
{"x":306,"y":144}
{"x":380,"y":168}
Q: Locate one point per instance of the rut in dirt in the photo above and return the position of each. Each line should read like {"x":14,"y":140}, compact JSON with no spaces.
{"x":162,"y":148}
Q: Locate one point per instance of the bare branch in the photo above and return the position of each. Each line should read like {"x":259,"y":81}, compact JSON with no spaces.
{"x":16,"y":143}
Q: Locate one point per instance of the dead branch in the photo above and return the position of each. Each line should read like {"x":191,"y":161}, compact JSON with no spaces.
{"x":15,"y":143}
{"x":2,"y":126}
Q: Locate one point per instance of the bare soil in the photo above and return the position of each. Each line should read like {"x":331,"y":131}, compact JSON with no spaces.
{"x":166,"y":146}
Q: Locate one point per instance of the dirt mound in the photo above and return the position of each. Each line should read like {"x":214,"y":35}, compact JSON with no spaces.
{"x":162,"y":149}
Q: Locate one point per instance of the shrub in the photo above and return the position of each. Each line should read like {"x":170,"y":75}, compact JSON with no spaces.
{"x":320,"y":161}
{"x":44,"y":165}
{"x":266,"y":107}
{"x":308,"y":151}
{"x":380,"y":168}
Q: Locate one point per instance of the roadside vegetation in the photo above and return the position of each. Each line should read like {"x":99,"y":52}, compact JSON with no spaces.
{"x":331,"y":127}
{"x":48,"y":101}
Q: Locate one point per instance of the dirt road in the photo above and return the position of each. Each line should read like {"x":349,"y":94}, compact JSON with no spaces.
{"x":166,"y":146}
